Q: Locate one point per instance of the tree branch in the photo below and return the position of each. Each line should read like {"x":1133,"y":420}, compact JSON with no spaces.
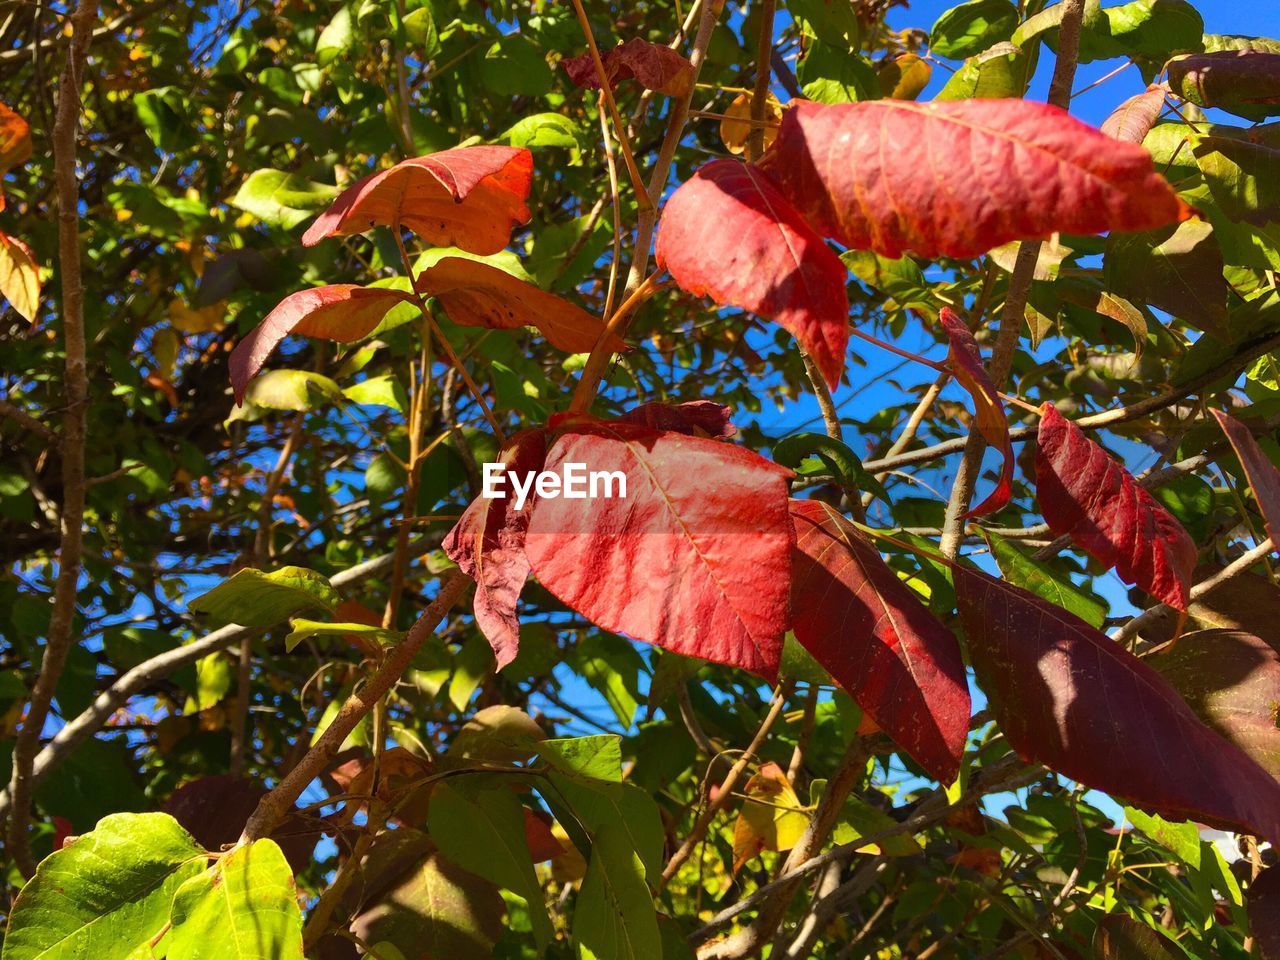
{"x":58,"y":641}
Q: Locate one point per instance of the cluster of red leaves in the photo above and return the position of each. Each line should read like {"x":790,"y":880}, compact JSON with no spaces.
{"x":952,"y":178}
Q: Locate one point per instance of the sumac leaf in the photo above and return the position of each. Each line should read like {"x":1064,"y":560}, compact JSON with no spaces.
{"x":870,"y":631}
{"x":771,"y":818}
{"x":1132,"y":120}
{"x":1231,"y":679}
{"x":1262,"y":473}
{"x":468,"y":197}
{"x":340,"y":311}
{"x":1071,"y":698}
{"x":1119,"y":937}
{"x":957,"y":178}
{"x":478,"y":294}
{"x":19,"y":277}
{"x":1086,"y":495}
{"x":965,"y":363}
{"x":1244,"y":82}
{"x":698,"y":418}
{"x":727,"y":233}
{"x":653,"y":65}
{"x":15,"y":139}
{"x":695,"y":558}
{"x":488,"y":544}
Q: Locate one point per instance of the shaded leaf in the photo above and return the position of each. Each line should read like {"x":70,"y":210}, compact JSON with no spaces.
{"x":1263,"y":476}
{"x":1044,"y":581}
{"x":1120,"y":937}
{"x":215,"y":809}
{"x":694,"y":558}
{"x":1244,"y":82}
{"x":105,"y":894}
{"x":653,"y":65}
{"x":1264,"y":913}
{"x":258,"y":599}
{"x":736,"y":126}
{"x":1242,"y":177}
{"x":244,"y":907}
{"x":482,"y":830}
{"x":698,"y":418}
{"x":468,"y":197}
{"x":1085,"y":494}
{"x":727,"y":233}
{"x":877,"y":640}
{"x":628,"y":806}
{"x":15,"y":139}
{"x":487,"y":543}
{"x":614,"y":918}
{"x":965,"y":363}
{"x":478,"y":294}
{"x":1071,"y":698}
{"x":993,"y":171}
{"x":1176,"y":269}
{"x":1231,"y":679}
{"x":341,"y":311}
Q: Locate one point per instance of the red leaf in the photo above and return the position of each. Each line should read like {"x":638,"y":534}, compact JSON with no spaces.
{"x":1231,"y":679}
{"x":966,"y":366}
{"x":1085,"y":494}
{"x":877,"y":640}
{"x":654,"y":66}
{"x":959,"y":177}
{"x":1068,"y":696}
{"x":488,"y":544}
{"x":543,"y":844}
{"x":698,"y":418}
{"x":478,"y":294}
{"x":695,"y":558}
{"x":1133,"y":119}
{"x":468,"y":197}
{"x":340,"y":311}
{"x":1262,"y":473}
{"x":729,"y":234}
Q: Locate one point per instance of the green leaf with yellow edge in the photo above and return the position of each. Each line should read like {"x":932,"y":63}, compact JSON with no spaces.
{"x":107,"y":894}
{"x":244,"y":907}
{"x":859,"y":819}
{"x":772,"y":818}
{"x":282,"y":199}
{"x":258,"y":599}
{"x":1180,"y":839}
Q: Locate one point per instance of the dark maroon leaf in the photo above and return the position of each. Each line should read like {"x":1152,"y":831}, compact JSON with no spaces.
{"x":870,"y":631}
{"x":654,"y":67}
{"x":1264,"y":913}
{"x":1085,"y":494}
{"x":698,"y":418}
{"x":1245,"y":82}
{"x":214,"y":810}
{"x":1120,"y":937}
{"x":1263,"y":476}
{"x":1071,"y":698}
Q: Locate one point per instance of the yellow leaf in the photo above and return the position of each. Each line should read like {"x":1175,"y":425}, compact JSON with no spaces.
{"x":772,"y":819}
{"x":735,"y":129}
{"x":203,"y":320}
{"x":19,"y":277}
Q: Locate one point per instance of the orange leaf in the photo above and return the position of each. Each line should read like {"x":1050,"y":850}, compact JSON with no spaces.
{"x":478,"y":294}
{"x":15,"y":140}
{"x":468,"y":197}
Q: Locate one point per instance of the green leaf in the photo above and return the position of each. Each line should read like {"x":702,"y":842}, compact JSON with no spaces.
{"x":384,"y":391}
{"x":162,"y":111}
{"x":420,"y":27}
{"x":973,"y":27}
{"x":1244,"y":177}
{"x":336,"y":38}
{"x":1181,"y":839}
{"x":628,"y":807}
{"x":474,"y":662}
{"x":1177,"y":269}
{"x":828,"y":74}
{"x":482,"y":830}
{"x":282,"y":199}
{"x":288,"y":390}
{"x":1002,"y":71}
{"x":258,"y":599}
{"x":244,"y":907}
{"x":859,"y":819}
{"x":595,"y":758}
{"x":1150,"y":28}
{"x":302,"y":629}
{"x":833,"y":459}
{"x":900,"y":279}
{"x":514,"y":66}
{"x":614,"y":917}
{"x":542,"y":130}
{"x":798,"y":664}
{"x":833,"y":23}
{"x":106,"y":895}
{"x":612,"y":667}
{"x":1044,"y":581}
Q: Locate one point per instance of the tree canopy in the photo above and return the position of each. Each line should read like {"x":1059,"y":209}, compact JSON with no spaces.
{"x":920,"y":377}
